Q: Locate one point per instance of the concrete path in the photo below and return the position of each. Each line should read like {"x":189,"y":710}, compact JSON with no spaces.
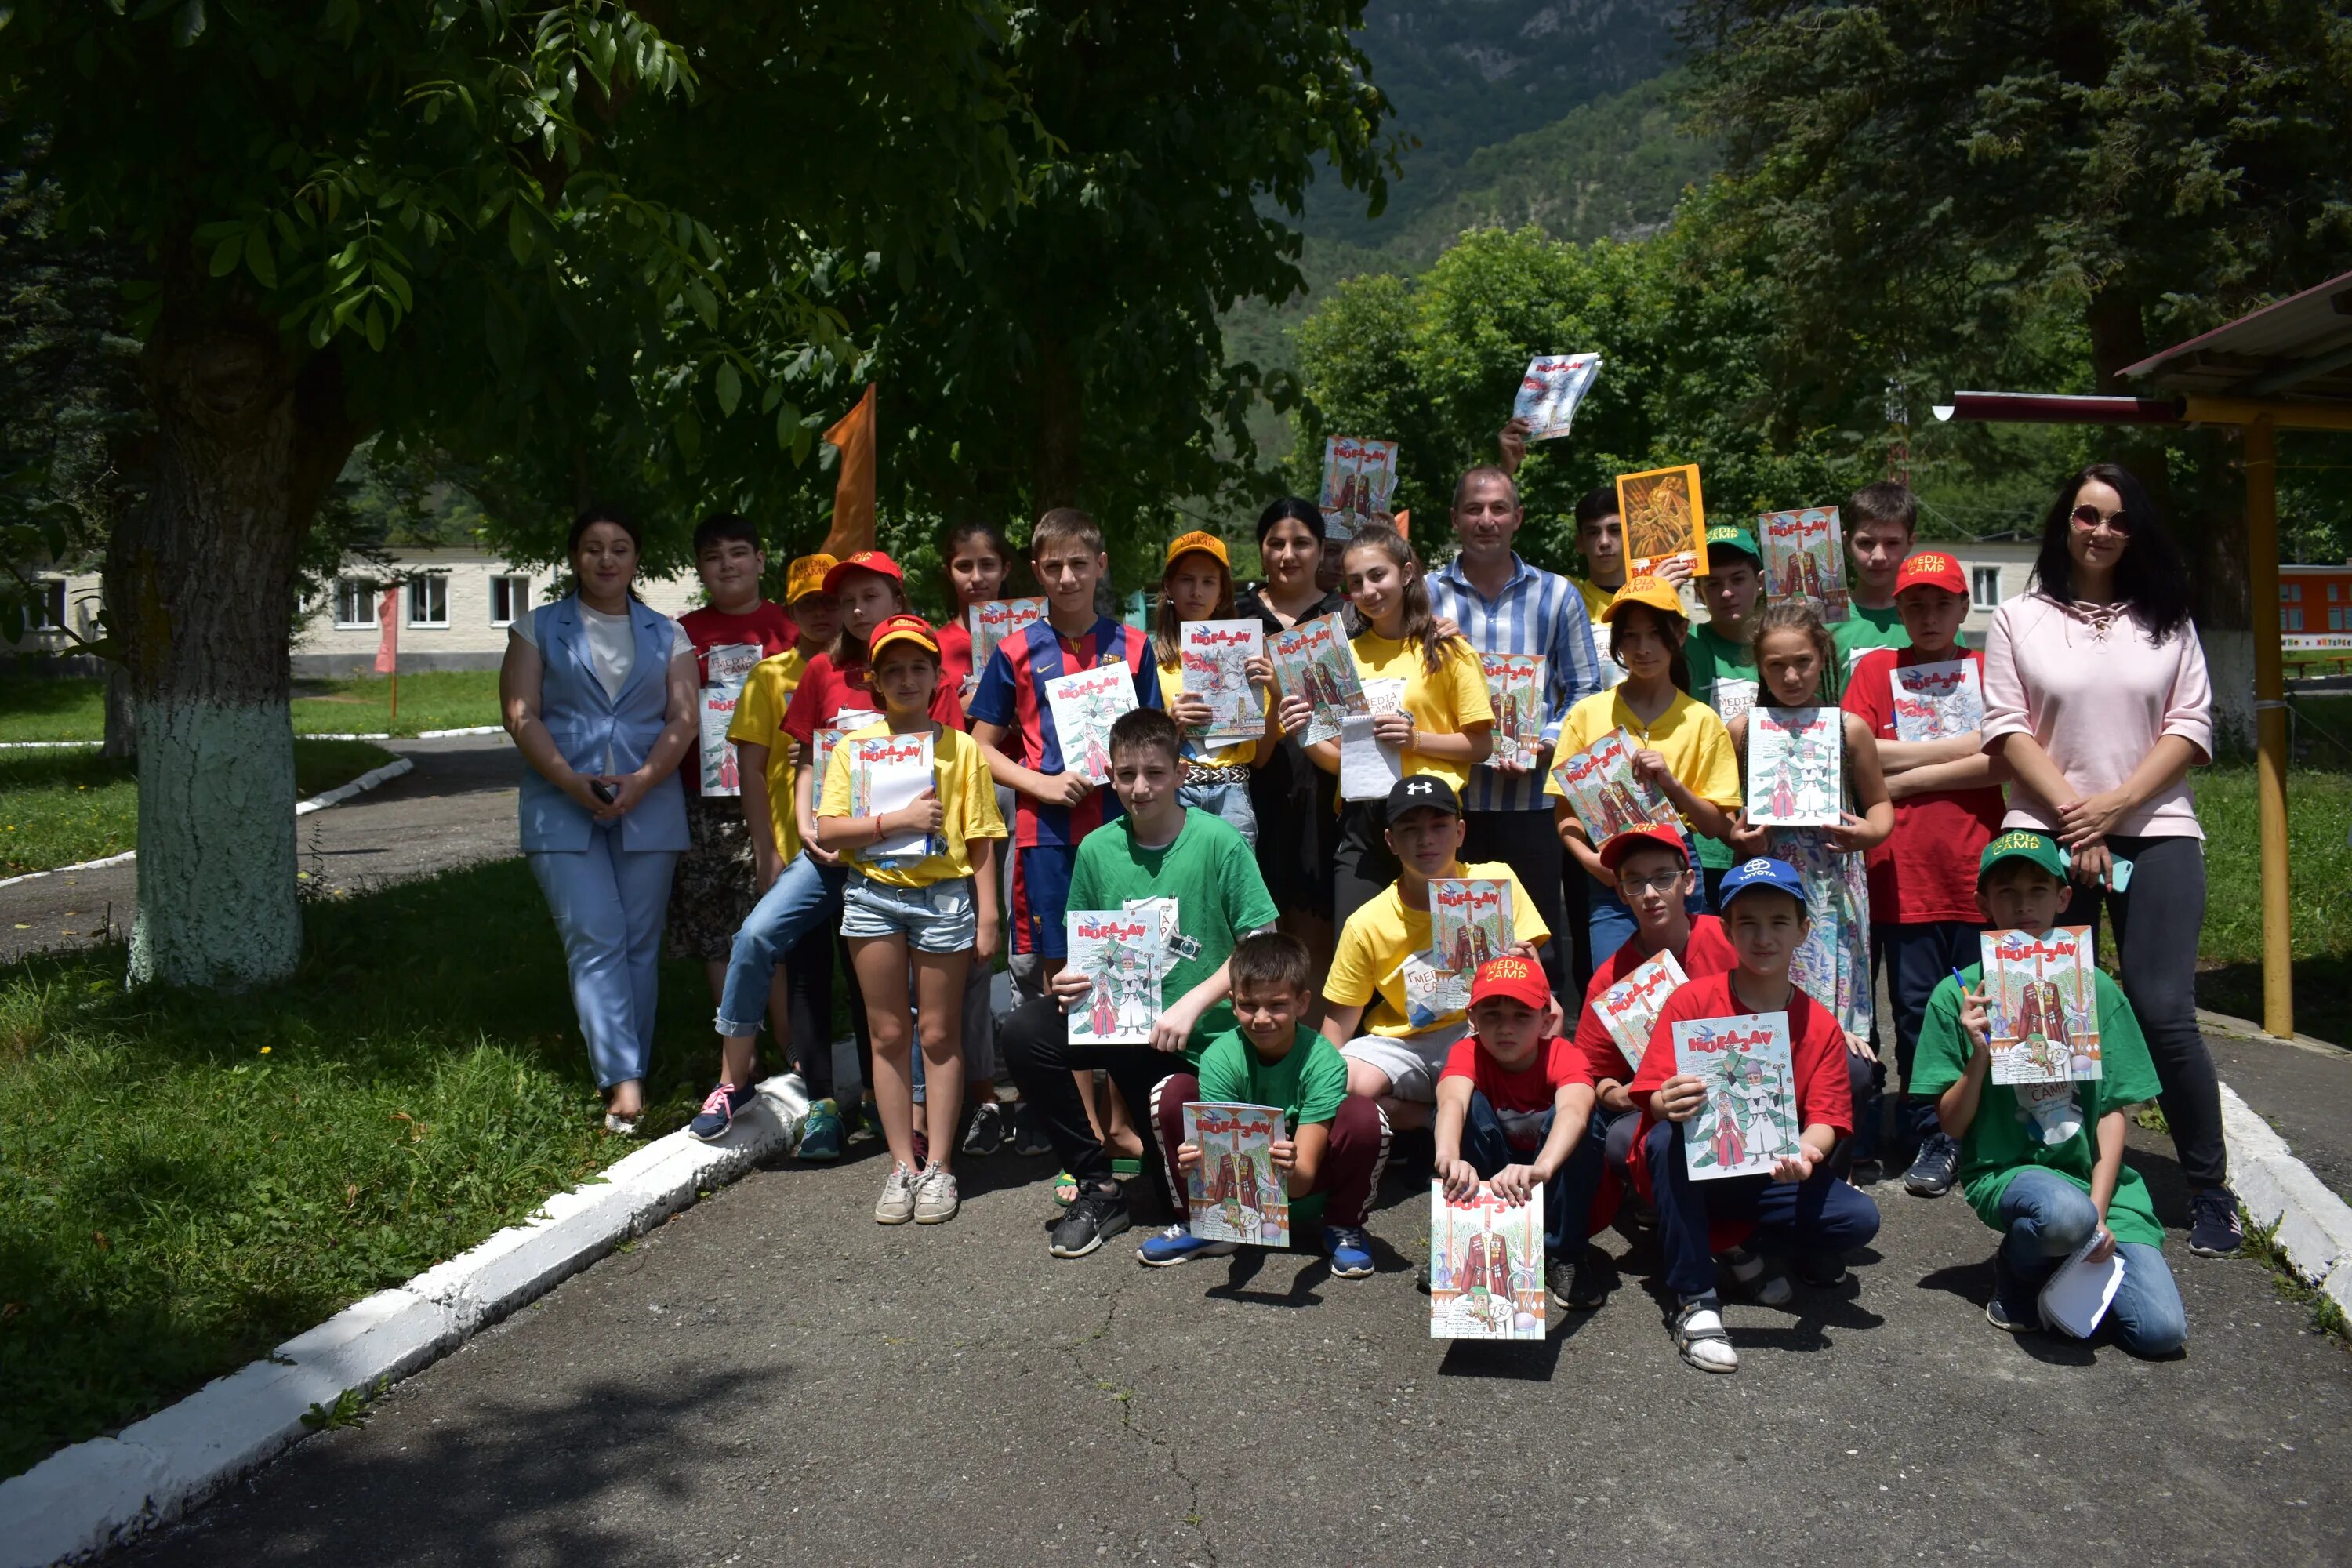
{"x":772,"y":1377}
{"x":455,"y":807}
{"x":2304,"y":1091}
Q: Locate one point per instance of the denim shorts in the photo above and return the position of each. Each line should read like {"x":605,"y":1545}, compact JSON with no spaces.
{"x":937,"y":919}
{"x":1229,"y":802}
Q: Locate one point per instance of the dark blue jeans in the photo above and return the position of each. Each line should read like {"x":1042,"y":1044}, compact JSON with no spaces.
{"x":1821,"y":1213}
{"x":1568,"y":1196}
{"x":1919,"y":957}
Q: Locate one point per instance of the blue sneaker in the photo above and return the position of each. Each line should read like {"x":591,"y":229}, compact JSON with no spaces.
{"x":718,"y":1113}
{"x":2213,"y":1228}
{"x":1167,"y":1249}
{"x":1349,"y":1249}
{"x":821,"y":1134}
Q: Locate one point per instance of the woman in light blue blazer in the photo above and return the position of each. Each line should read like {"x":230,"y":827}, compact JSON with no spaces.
{"x":599,"y":694}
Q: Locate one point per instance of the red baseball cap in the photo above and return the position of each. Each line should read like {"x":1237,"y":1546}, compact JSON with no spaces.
{"x":1932,"y":569}
{"x":903,"y":628}
{"x":1513,"y":977}
{"x":863,"y":560}
{"x":1624,"y":843}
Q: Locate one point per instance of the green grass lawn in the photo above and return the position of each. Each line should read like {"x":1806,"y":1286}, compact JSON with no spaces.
{"x":72,"y":708}
{"x":60,"y":806}
{"x":187,"y":1180}
{"x":2319,"y":816}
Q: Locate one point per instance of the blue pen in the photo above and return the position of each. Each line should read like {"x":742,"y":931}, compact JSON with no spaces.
{"x":1960,"y":982}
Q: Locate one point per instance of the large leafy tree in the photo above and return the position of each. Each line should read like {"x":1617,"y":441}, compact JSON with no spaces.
{"x":1937,"y":183}
{"x":551,"y":232}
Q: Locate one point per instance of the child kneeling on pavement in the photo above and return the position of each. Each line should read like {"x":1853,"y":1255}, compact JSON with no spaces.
{"x":1337,"y":1142}
{"x":2044,"y":1162}
{"x":1801,"y":1206}
{"x":1515,"y":1109}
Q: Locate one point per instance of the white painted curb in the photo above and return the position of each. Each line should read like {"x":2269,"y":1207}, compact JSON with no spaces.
{"x":336,"y":796}
{"x":387,"y":735}
{"x":95,"y":1495}
{"x":18,"y":746}
{"x":2314,"y":1225}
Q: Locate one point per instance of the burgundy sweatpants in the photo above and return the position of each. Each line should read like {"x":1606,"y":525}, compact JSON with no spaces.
{"x":1352,"y":1162}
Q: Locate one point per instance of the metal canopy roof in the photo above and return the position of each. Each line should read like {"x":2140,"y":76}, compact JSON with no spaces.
{"x":2300,"y":348}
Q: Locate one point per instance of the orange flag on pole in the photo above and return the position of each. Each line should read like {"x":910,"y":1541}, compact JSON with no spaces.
{"x":853,"y":490}
{"x":387,"y":615}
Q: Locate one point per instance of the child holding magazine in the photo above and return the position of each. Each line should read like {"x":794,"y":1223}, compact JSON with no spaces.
{"x":2044,"y":1164}
{"x":913,"y":871}
{"x":1441,"y":726}
{"x":1198,"y":586}
{"x":1796,"y":1205}
{"x":1680,"y":746}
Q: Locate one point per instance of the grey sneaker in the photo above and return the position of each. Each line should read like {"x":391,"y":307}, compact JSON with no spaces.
{"x":897,"y":1202}
{"x":935,"y":1196}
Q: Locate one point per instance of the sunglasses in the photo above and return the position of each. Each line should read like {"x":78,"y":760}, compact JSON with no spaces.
{"x":2090,"y":519}
{"x":1666,"y":882}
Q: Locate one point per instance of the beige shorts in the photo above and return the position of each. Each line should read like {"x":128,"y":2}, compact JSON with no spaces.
{"x":1411,"y":1061}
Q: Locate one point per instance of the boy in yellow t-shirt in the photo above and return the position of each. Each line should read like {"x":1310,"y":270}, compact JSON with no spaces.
{"x":1402,"y":1048}
{"x":910,"y":896}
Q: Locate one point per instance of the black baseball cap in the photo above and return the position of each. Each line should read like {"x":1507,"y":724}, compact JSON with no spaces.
{"x":1422,"y":791}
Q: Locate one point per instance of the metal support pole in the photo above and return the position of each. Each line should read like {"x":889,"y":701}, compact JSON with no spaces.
{"x":2270,"y":724}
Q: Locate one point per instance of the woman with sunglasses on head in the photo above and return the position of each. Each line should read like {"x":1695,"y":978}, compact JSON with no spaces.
{"x":2096,"y":696}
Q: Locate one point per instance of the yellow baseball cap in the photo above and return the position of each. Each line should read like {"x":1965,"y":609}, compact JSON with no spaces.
{"x":903,"y":628}
{"x":1207,"y":544}
{"x":1655,"y":592}
{"x":807,"y":577}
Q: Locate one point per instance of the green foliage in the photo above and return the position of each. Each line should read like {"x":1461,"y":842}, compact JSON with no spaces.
{"x":263,"y":1161}
{"x":2319,"y":803}
{"x":69,"y":804}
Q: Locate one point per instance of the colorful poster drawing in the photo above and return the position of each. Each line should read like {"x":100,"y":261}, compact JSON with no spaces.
{"x":1237,"y":1192}
{"x":1216,"y":656}
{"x":1311,"y":661}
{"x":1804,"y":558}
{"x":1486,"y":1266}
{"x":2042,"y":1006}
{"x":1120,"y":953}
{"x":1606,"y":794}
{"x":1832,"y":965}
{"x":1514,"y":689}
{"x":1431,"y":996}
{"x":1550,"y":391}
{"x":1749,"y":1120}
{"x":1469,"y":921}
{"x":1629,"y":1010}
{"x":721,"y":774}
{"x":993,"y":620}
{"x":1358,"y":478}
{"x":1084,"y":704}
{"x":1666,"y":519}
{"x":1936,"y":701}
{"x":886,"y":774}
{"x":1796,"y":760}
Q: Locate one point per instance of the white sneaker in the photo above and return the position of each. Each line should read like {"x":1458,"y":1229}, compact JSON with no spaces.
{"x":898,"y":1203}
{"x":935,"y":1197}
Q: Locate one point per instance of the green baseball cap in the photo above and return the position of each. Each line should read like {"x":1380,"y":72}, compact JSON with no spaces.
{"x":1731,"y":536}
{"x":2023,"y":844}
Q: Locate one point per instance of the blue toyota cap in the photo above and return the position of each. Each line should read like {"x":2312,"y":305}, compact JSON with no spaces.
{"x":1760,"y":872}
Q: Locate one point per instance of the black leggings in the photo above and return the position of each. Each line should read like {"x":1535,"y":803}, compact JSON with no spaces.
{"x":2157,"y":919}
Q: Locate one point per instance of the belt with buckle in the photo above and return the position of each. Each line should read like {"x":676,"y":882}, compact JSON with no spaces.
{"x":1197,"y":774}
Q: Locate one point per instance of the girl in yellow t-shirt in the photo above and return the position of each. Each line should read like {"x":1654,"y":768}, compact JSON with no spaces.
{"x":1198,"y":586}
{"x":912,"y":870}
{"x":1428,"y":696}
{"x":1679,"y":746}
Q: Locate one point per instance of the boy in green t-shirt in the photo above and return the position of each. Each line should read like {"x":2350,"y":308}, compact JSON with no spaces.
{"x":1881,"y":522}
{"x":1205,"y":881}
{"x":1337,"y":1142}
{"x":1720,"y":653}
{"x":2046,"y":1163}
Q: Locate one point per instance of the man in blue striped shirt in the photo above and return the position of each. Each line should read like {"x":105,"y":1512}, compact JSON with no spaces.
{"x":1505,"y":605}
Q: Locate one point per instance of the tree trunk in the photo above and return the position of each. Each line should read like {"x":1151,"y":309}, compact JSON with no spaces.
{"x":248,"y":438}
{"x":122,"y":740}
{"x":1059,"y":418}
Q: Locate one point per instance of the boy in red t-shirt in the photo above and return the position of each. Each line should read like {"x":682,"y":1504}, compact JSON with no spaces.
{"x":1948,"y":806}
{"x":1654,"y":876}
{"x":1801,"y":1206}
{"x":1513,"y":1109}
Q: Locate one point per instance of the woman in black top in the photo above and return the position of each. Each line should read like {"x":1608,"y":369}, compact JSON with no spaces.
{"x":1294,"y":799}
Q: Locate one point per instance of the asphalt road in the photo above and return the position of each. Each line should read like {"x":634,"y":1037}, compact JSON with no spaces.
{"x":456,"y":806}
{"x":773,"y":1378}
{"x":2304,"y":1091}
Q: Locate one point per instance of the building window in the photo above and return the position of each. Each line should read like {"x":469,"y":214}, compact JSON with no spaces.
{"x":428,"y":600}
{"x":509,"y":599}
{"x":46,"y":613}
{"x":2287,"y":593}
{"x":1984,"y":587}
{"x":2334,"y":589}
{"x":354,"y":603}
{"x":2337,"y":621}
{"x":2290,"y":620}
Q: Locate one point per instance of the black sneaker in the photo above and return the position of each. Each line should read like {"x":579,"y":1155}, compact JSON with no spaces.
{"x":1096,"y":1216}
{"x":1029,"y":1137}
{"x":988,"y":1129}
{"x":2213,"y":1228}
{"x":1821,"y":1271}
{"x":1939,"y":1165}
{"x":1579,"y":1287}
